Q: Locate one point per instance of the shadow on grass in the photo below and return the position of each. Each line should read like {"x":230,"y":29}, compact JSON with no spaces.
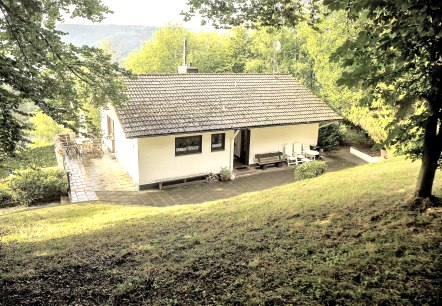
{"x":306,"y":243}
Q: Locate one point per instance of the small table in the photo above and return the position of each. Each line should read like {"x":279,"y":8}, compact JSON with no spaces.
{"x":311,"y":153}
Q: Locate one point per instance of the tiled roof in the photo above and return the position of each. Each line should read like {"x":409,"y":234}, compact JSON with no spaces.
{"x":161,"y":104}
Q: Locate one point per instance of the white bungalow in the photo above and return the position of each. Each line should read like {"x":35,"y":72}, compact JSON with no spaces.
{"x":183,"y":125}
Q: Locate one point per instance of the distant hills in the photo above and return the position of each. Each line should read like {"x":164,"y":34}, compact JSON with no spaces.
{"x":124,"y":38}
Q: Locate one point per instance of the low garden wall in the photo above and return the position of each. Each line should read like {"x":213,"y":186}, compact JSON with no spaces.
{"x":364,"y":156}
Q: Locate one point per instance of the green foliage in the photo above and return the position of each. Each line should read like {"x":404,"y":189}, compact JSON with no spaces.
{"x":44,"y":128}
{"x":5,"y":193}
{"x":93,"y":119}
{"x":37,"y":157}
{"x":208,"y":52}
{"x":225,"y":171}
{"x":319,"y":45}
{"x":35,"y":186}
{"x":264,"y":58}
{"x":353,"y":136}
{"x":330,"y":136}
{"x":310,"y":170}
{"x":238,"y":49}
{"x":37,"y":66}
{"x":164,"y":53}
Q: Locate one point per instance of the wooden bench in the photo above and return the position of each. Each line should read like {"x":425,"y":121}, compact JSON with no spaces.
{"x":183,"y":180}
{"x":274,"y":158}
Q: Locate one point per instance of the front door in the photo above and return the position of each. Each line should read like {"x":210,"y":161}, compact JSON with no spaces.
{"x":245,"y":146}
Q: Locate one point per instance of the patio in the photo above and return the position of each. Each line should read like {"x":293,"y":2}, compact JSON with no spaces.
{"x":103,"y":178}
{"x":91,"y":174}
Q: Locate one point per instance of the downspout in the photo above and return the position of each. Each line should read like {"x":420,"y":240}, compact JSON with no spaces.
{"x":232,"y":149}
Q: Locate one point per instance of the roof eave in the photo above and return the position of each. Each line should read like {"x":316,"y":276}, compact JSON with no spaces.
{"x":230,"y":129}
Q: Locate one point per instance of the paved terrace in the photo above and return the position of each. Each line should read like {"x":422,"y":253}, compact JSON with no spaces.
{"x":104,"y":179}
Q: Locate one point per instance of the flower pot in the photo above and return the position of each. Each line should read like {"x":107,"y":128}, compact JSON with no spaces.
{"x":224,"y":178}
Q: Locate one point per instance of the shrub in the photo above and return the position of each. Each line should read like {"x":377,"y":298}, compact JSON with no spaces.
{"x":5,"y":193}
{"x":310,"y":170}
{"x":352,"y":135}
{"x":330,"y":137}
{"x":34,"y":186}
{"x":34,"y":157}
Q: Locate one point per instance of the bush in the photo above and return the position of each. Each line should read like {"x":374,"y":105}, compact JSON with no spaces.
{"x":5,"y":194}
{"x":310,"y":170}
{"x":330,"y":137}
{"x":352,"y":135}
{"x":30,"y":157}
{"x":34,"y":186}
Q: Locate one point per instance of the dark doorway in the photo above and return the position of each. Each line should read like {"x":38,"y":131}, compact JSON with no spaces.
{"x":245,"y":147}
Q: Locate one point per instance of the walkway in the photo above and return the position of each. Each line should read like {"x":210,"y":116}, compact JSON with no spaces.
{"x":88,"y":175}
{"x":104,"y":179}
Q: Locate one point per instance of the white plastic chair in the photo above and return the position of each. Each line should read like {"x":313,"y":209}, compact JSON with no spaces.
{"x":297,"y":152}
{"x":288,"y":151}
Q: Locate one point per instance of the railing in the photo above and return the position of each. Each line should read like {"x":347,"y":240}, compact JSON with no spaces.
{"x":68,"y":175}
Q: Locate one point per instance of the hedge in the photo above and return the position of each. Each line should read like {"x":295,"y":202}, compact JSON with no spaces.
{"x":310,"y":170}
{"x":34,"y":186}
{"x":39,"y":157}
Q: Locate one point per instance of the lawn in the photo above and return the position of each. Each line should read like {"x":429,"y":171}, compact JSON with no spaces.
{"x":347,"y":237}
{"x":39,"y":157}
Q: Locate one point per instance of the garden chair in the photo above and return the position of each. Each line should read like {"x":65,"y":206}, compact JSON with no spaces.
{"x":65,"y":143}
{"x":71,"y":145}
{"x":291,"y":158}
{"x":86,"y":148}
{"x":96,"y":146}
{"x":297,"y":151}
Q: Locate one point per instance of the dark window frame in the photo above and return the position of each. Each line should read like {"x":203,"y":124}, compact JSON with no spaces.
{"x":223,"y":143}
{"x":187,"y":142}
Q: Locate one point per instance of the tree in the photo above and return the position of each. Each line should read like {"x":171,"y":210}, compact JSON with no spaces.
{"x":208,"y":52}
{"x":164,"y":53}
{"x":238,"y":49}
{"x":319,"y":45}
{"x":44,"y":128}
{"x":394,"y":57}
{"x":36,"y":66}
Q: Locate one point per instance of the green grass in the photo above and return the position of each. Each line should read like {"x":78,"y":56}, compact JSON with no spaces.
{"x":343,"y":238}
{"x":40,"y":157}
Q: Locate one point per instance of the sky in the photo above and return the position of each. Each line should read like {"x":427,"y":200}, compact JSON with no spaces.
{"x":147,"y":12}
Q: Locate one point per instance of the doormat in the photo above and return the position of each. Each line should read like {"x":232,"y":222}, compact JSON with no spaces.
{"x":243,"y":168}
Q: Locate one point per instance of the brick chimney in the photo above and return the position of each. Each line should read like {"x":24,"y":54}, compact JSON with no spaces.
{"x":186,"y":68}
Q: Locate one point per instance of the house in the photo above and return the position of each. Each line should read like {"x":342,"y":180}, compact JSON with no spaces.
{"x":186,"y":124}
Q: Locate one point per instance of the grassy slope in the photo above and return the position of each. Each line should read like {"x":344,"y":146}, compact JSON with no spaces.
{"x":346,"y":237}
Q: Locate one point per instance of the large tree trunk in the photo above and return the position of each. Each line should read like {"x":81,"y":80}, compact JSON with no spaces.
{"x":431,"y":154}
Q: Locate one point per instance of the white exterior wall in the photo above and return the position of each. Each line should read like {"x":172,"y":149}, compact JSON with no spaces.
{"x":126,"y":150}
{"x":273,"y":139}
{"x":157,"y":160}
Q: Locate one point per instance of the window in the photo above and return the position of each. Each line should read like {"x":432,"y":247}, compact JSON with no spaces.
{"x":218,"y":142}
{"x":188,"y":145}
